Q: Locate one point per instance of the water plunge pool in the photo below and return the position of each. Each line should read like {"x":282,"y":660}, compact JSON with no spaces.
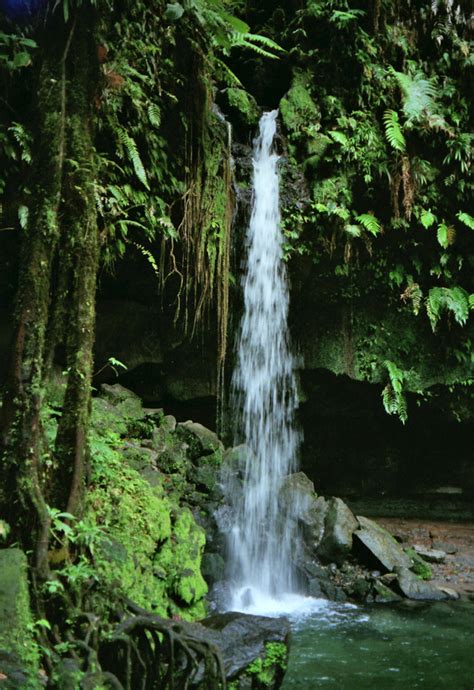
{"x":411,"y":645}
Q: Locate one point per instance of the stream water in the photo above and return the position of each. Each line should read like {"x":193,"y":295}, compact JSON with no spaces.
{"x":425,"y":645}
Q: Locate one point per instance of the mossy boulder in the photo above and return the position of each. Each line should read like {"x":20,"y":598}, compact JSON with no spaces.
{"x":201,"y":441}
{"x":297,"y":108}
{"x":243,"y":105}
{"x":18,"y":650}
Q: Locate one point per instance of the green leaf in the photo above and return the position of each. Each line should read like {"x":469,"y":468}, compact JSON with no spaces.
{"x":442,"y":235}
{"x":466,"y":219}
{"x":427,"y":218}
{"x":22,"y":59}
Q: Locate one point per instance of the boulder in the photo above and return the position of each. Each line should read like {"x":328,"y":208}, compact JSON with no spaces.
{"x":18,"y":652}
{"x":430,"y":555}
{"x":383,"y":594}
{"x":212,"y":568}
{"x":202,"y":441}
{"x":312,"y":523}
{"x":414,"y":588}
{"x":445,"y":546}
{"x":381,"y":545}
{"x":296,"y":494}
{"x":254,"y":649}
{"x":339,"y":527}
{"x":138,"y":457}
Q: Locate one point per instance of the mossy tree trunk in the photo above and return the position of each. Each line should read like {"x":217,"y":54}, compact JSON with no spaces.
{"x":63,"y":229}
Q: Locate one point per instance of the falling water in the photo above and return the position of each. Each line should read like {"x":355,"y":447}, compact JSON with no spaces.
{"x":265,"y":395}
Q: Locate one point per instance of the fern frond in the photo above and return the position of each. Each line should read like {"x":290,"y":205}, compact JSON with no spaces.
{"x":154,"y":114}
{"x":393,"y":131}
{"x":466,"y":219}
{"x":148,"y":256}
{"x":392,"y":395}
{"x":353,"y":230}
{"x":339,"y":137}
{"x":131,"y":150}
{"x":255,"y":42}
{"x":455,"y":300}
{"x":419,"y":94}
{"x":370,"y":223}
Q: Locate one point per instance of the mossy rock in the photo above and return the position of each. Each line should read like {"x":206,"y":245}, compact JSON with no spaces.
{"x":18,"y":651}
{"x":245,"y":104}
{"x":420,"y":567}
{"x":180,"y":557}
{"x":297,"y":108}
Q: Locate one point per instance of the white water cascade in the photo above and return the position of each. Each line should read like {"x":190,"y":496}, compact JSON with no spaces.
{"x":264,"y":392}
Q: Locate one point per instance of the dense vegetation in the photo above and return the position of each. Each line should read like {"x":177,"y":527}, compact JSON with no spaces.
{"x":111,"y":144}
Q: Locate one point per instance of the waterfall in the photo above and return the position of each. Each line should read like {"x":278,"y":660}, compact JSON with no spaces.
{"x":264,"y":396}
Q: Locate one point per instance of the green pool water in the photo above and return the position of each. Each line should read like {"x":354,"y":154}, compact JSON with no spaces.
{"x":429,"y":646}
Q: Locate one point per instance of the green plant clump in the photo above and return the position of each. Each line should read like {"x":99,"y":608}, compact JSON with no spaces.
{"x":265,"y":669}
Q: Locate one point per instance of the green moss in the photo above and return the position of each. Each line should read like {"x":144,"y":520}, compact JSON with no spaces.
{"x":265,"y":669}
{"x":420,"y":567}
{"x":152,"y":547}
{"x":180,"y":559}
{"x":16,"y":624}
{"x":297,"y":108}
{"x":244,"y":103}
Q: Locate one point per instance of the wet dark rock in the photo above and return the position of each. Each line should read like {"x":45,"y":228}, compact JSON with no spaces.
{"x":212,"y":568}
{"x":339,"y":526}
{"x":242,"y":639}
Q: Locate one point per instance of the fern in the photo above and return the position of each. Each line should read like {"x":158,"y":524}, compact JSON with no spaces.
{"x":23,"y":139}
{"x":427,"y":219}
{"x":262,"y":45}
{"x":154,"y":115}
{"x":339,"y":137}
{"x":392,"y":395}
{"x":370,"y":223}
{"x":446,"y":235}
{"x":455,"y":300}
{"x":393,"y":131}
{"x":419,"y":95}
{"x":148,"y":256}
{"x":353,"y":230}
{"x":466,"y":219}
{"x":130,"y":148}
{"x":343,"y":18}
